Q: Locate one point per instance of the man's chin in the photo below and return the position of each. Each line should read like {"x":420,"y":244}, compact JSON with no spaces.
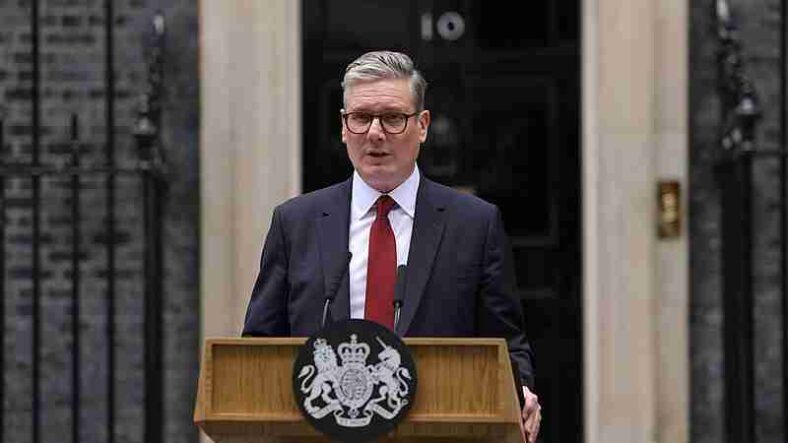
{"x":379,"y":179}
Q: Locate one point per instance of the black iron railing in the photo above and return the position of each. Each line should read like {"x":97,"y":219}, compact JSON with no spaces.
{"x":149,"y":169}
{"x":740,"y":113}
{"x":152,"y":165}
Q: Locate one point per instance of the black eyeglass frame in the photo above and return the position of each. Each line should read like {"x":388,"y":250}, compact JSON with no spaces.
{"x":345,"y":116}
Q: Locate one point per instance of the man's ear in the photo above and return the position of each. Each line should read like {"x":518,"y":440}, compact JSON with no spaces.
{"x":424,"y":125}
{"x":342,"y":126}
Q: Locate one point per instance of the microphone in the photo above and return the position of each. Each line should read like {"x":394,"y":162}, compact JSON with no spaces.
{"x":399,"y":293}
{"x":344,"y":262}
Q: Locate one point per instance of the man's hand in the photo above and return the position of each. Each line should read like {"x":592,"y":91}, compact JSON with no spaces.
{"x":532,"y":416}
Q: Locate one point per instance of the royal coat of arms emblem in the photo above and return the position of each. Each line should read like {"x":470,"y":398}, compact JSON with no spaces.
{"x":357,"y":384}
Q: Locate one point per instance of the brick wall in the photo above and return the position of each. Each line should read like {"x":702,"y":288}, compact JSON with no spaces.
{"x":72,"y":81}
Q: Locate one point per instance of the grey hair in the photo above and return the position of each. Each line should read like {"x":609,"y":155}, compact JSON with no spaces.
{"x":382,"y":65}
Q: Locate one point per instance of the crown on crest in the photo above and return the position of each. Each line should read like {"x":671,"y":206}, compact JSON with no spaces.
{"x":353,"y":352}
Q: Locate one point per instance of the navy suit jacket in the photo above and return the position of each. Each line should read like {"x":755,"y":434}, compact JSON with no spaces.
{"x":460,"y":281}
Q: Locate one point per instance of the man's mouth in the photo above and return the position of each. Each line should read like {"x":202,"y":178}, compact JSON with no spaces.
{"x":377,"y":154}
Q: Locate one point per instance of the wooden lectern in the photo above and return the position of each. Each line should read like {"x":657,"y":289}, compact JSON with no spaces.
{"x":466,"y":392}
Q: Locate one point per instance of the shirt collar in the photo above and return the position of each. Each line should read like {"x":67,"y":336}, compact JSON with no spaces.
{"x":365,"y":196}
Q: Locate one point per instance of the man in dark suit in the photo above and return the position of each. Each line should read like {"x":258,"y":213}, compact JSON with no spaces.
{"x":459,"y":278}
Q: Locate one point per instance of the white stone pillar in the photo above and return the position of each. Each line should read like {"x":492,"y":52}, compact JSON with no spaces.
{"x":672,"y":278}
{"x":250,"y":152}
{"x":620,"y":296}
{"x":250,"y":145}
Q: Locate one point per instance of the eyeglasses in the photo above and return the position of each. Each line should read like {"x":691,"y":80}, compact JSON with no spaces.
{"x":391,"y":122}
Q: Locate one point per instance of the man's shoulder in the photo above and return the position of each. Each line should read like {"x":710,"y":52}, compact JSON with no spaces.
{"x":461,"y":199}
{"x":316,"y":199}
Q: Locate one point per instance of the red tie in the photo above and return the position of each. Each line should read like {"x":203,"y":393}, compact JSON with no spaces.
{"x":381,"y":266}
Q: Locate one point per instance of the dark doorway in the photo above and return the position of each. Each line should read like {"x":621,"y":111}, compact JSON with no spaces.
{"x":505,"y":97}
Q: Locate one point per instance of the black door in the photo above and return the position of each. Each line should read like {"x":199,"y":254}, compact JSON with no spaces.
{"x":504,"y":95}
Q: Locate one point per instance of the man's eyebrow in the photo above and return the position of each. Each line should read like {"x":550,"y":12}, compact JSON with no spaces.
{"x":380,"y":111}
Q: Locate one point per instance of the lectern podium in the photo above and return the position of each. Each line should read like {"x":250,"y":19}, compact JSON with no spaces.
{"x":465,"y":392}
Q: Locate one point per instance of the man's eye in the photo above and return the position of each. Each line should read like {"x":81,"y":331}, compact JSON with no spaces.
{"x":392,"y":118}
{"x":360,"y":118}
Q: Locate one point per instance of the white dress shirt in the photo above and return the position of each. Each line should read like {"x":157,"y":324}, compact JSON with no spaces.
{"x":362,"y":214}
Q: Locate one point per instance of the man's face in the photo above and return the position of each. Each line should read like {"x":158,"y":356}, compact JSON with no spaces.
{"x":384,"y":160}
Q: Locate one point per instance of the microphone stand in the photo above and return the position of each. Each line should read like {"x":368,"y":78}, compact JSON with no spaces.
{"x":335,"y":288}
{"x":399,"y":294}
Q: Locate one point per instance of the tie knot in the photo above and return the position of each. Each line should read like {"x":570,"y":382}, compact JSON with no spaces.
{"x":384,"y":205}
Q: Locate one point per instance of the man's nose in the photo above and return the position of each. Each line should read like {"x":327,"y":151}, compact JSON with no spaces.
{"x":376,"y":129}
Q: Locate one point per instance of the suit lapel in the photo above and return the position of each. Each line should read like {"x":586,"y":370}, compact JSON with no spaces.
{"x":333,"y":221}
{"x":427,"y":231}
